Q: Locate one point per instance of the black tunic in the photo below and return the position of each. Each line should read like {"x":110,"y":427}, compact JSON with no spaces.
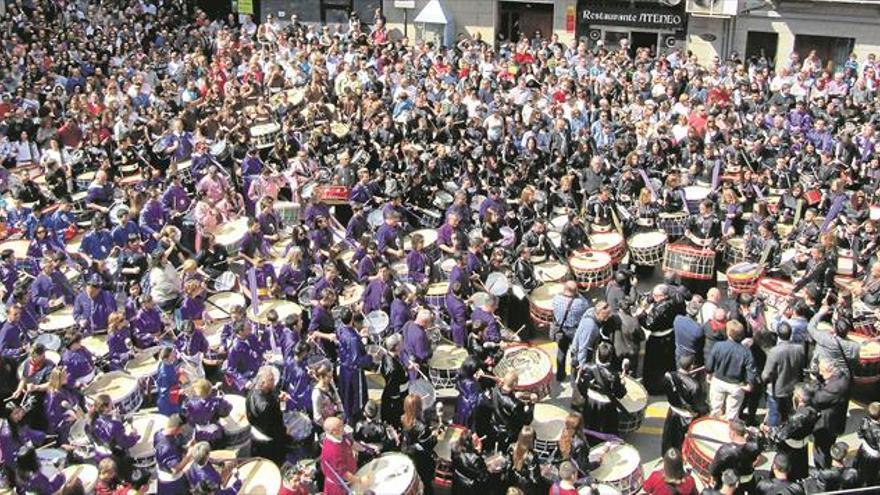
{"x":687,"y":402}
{"x":264,"y":414}
{"x":392,"y":395}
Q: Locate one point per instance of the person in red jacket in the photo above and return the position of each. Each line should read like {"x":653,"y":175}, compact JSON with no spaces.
{"x":108,"y":481}
{"x":338,"y":462}
{"x":671,"y":480}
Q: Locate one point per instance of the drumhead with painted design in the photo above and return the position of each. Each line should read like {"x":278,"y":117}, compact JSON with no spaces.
{"x":744,"y":268}
{"x":390,"y":473}
{"x":549,"y":421}
{"x":618,"y":463}
{"x":531,"y":363}
{"x":96,"y":344}
{"x":543,"y":295}
{"x":636,"y":398}
{"x":447,"y":357}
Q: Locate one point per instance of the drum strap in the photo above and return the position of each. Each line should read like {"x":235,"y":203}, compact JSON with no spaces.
{"x":798,"y":211}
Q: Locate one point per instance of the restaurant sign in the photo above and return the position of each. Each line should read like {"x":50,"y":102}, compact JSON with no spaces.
{"x":650,"y":16}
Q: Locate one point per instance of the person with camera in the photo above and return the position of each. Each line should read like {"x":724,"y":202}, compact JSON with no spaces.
{"x":568,"y":310}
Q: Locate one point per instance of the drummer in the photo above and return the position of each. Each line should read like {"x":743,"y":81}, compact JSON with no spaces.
{"x":574,"y":235}
{"x":45,"y":293}
{"x":92,"y":307}
{"x":353,"y":360}
{"x":244,"y":359}
{"x":704,"y":229}
{"x":416,"y":348}
{"x":77,"y":360}
{"x":110,"y":436}
{"x":13,"y":337}
{"x":387,"y":238}
{"x":378,"y":293}
{"x":147,"y":325}
{"x":739,"y":454}
{"x":601,"y":210}
{"x":602,"y":406}
{"x":510,"y":411}
{"x":173,"y":455}
{"x":203,"y":477}
{"x":451,"y":237}
{"x":203,"y":411}
{"x":418,"y":265}
{"x":687,"y":401}
{"x":485,"y":312}
{"x":264,"y":415}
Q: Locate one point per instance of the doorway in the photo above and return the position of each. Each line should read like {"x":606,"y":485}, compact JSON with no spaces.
{"x":760,"y":44}
{"x":832,"y":51}
{"x":518,"y":19}
{"x":643,"y":39}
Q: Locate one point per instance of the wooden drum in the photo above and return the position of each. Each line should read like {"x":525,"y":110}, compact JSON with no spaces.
{"x":646,"y":248}
{"x":610,"y":243}
{"x":548,"y":422}
{"x":689,"y":261}
{"x":541,"y":304}
{"x":698,"y":451}
{"x":533,"y":366}
{"x":591,"y":268}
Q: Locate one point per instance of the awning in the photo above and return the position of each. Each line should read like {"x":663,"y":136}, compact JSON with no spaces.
{"x":433,"y":13}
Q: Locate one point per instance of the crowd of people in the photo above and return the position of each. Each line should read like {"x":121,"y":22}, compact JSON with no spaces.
{"x":221,"y":229}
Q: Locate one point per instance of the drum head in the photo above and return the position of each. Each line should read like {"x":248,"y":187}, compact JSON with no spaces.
{"x":376,"y":218}
{"x":605,"y":241}
{"x":237,"y":419}
{"x":549,"y":421}
{"x":497,"y":284}
{"x":618,"y":463}
{"x":438,"y":289}
{"x":424,"y":389}
{"x":643,"y":240}
{"x":590,"y":261}
{"x":447,"y":357}
{"x":377,"y":322}
{"x":282,"y":308}
{"x":226,"y":301}
{"x":390,"y":473}
{"x":224,"y":282}
{"x":543,"y":295}
{"x":117,"y":384}
{"x":551,"y":271}
{"x":259,"y":477}
{"x":709,"y":428}
{"x":450,"y":437}
{"x":531,"y":363}
{"x":146,"y":425}
{"x":636,"y":398}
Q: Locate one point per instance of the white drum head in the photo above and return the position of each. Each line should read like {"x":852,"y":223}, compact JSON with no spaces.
{"x":497,"y":284}
{"x":146,"y":425}
{"x":259,"y":477}
{"x":390,"y":473}
{"x":549,"y":421}
{"x":618,"y":463}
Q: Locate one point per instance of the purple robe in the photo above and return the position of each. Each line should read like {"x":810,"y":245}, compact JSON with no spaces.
{"x":11,"y":343}
{"x":463,"y":277}
{"x":416,"y":264}
{"x":192,"y":344}
{"x":386,"y":238}
{"x":204,"y":415}
{"x":400,"y":313}
{"x":191,"y":308}
{"x":37,"y":482}
{"x":416,"y":348}
{"x":175,"y":198}
{"x":242,"y":363}
{"x":336,"y":285}
{"x":366,"y":268}
{"x":119,"y":353}
{"x":458,"y":313}
{"x":291,"y":279}
{"x":200,"y":473}
{"x":493,"y":329}
{"x":109,"y":434}
{"x":56,"y":405}
{"x":297,"y":382}
{"x":376,"y":296}
{"x":10,"y":442}
{"x":93,"y":311}
{"x":147,"y":326}
{"x":169,"y":452}
{"x":469,"y":394}
{"x":80,"y":365}
{"x":43,"y":290}
{"x":353,"y":359}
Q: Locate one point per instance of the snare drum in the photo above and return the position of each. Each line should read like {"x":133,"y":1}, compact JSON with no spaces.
{"x":259,"y":477}
{"x":86,"y":473}
{"x":743,"y":277}
{"x":694,"y":195}
{"x":282,"y":307}
{"x":541,"y":304}
{"x":443,"y":450}
{"x":351,"y":295}
{"x":621,"y":469}
{"x":236,"y":428}
{"x":591,"y":268}
{"x":436,"y":294}
{"x":673,"y":223}
{"x":220,"y":304}
{"x":610,"y":243}
{"x":548,"y":423}
{"x":59,"y":321}
{"x":646,"y":248}
{"x":689,"y":262}
{"x":734,"y":251}
{"x":123,"y":389}
{"x":389,"y":473}
{"x":146,"y":425}
{"x":97,"y":345}
{"x":532,"y":364}
{"x":444,"y":366}
{"x":228,"y":235}
{"x":700,"y":453}
{"x":425,"y":390}
{"x":551,"y":271}
{"x":263,"y":136}
{"x":144,"y":367}
{"x":298,"y":425}
{"x":634,"y":404}
{"x":774,"y":291}
{"x":85,"y":179}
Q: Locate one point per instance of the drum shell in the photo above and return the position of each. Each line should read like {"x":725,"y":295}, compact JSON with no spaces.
{"x":596,"y":275}
{"x":689,"y":262}
{"x":647,"y":254}
{"x":673,"y":223}
{"x":741,"y":282}
{"x":699,"y":460}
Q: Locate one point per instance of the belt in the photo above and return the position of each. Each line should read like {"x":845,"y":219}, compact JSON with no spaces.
{"x":645,"y":222}
{"x":404,"y":388}
{"x":797,"y":444}
{"x":870,"y":450}
{"x":681,"y":412}
{"x":664,"y":333}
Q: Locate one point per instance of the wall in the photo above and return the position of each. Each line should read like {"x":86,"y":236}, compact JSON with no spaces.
{"x":469,"y":16}
{"x":560,"y":8}
{"x":809,"y":18}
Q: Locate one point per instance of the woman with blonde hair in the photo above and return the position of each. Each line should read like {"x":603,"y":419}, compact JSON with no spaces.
{"x":646,"y":211}
{"x":417,"y":440}
{"x":62,"y":404}
{"x":118,"y":340}
{"x":203,"y":410}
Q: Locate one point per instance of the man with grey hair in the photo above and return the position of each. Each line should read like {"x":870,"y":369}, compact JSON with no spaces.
{"x":202,"y":473}
{"x":568,"y":309}
{"x":263,"y":409}
{"x":657,"y":316}
{"x":416,"y":346}
{"x":396,"y":388}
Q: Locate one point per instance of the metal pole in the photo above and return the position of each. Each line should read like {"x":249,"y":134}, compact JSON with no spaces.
{"x":405,"y":12}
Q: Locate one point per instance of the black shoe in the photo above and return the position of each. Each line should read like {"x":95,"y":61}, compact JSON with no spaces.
{"x":561,"y":378}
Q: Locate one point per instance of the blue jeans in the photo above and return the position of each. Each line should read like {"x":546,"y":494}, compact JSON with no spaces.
{"x":778,"y":409}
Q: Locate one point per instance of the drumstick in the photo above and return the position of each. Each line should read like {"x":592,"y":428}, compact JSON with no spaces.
{"x":419,"y":370}
{"x":212,"y":303}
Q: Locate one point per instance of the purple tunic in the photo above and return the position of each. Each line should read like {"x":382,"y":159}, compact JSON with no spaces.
{"x":366,"y":268}
{"x":353,"y":358}
{"x":43,"y":290}
{"x":191,"y":308}
{"x":169,"y":452}
{"x":176,"y":199}
{"x":416,"y":264}
{"x":400,"y":313}
{"x":117,"y":343}
{"x":386,"y":238}
{"x":192,"y":344}
{"x":147,"y":326}
{"x":56,"y":405}
{"x":93,"y":311}
{"x":291,"y":279}
{"x":11,"y":344}
{"x":10,"y":443}
{"x":463,"y":277}
{"x":199,"y":473}
{"x":242,"y":363}
{"x":457,"y":310}
{"x":493,"y":330}
{"x":204,"y":414}
{"x":416,"y":348}
{"x":298,"y":384}
{"x":38,"y":483}
{"x":110,"y":434}
{"x":466,"y":404}
{"x":80,"y":364}
{"x":376,"y":296}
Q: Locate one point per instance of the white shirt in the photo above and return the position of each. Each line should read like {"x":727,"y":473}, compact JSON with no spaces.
{"x":164,"y":283}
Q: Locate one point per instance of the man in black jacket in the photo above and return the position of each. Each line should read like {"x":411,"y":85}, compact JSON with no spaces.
{"x":792,"y":436}
{"x":263,"y":409}
{"x":784,"y":368}
{"x":509,"y":412}
{"x":739,"y":455}
{"x":831,"y":401}
{"x":687,"y":401}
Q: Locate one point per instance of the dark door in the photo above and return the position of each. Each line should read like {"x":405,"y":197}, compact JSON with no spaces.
{"x":642,"y":39}
{"x":760,"y":44}
{"x":526,"y":19}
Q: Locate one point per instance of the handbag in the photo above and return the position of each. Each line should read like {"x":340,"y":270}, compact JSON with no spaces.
{"x":556,"y":330}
